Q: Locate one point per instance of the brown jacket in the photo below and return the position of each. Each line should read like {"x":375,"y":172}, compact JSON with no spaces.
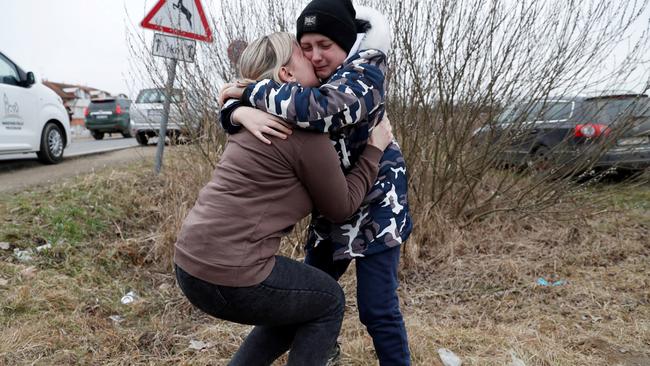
{"x":257,"y":193}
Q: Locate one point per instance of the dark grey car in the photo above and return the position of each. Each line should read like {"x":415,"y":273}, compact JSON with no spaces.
{"x":108,"y":115}
{"x":601,"y":132}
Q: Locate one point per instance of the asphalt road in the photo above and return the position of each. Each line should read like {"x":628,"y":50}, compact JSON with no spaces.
{"x":82,"y":146}
{"x":18,"y":172}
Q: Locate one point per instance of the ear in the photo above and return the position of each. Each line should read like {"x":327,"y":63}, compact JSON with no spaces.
{"x":286,"y":75}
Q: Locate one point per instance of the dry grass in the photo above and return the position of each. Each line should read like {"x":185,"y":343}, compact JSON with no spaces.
{"x":471,"y":290}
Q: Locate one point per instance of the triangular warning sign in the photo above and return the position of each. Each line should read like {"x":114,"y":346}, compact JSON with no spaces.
{"x":184,"y":18}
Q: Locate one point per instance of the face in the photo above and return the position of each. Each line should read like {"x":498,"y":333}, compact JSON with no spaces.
{"x":325,"y":55}
{"x":299,"y":69}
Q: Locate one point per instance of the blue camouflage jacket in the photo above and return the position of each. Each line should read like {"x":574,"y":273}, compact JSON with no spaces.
{"x":347,"y":107}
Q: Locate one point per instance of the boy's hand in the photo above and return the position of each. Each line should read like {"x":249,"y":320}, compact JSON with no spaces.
{"x":260,"y":123}
{"x":382,"y":135}
{"x":231,"y":91}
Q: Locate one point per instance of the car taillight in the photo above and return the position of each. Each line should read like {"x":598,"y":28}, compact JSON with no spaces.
{"x":118,"y":110}
{"x":590,"y":130}
{"x":86,"y":112}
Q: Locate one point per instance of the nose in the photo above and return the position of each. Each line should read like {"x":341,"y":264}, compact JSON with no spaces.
{"x":316,"y":56}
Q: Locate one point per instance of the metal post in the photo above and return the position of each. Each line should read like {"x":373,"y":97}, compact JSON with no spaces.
{"x":171,"y":75}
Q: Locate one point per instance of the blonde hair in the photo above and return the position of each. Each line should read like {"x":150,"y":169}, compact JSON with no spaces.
{"x":265,"y":56}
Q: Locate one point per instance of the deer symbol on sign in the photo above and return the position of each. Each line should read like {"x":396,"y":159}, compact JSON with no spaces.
{"x":183,"y":10}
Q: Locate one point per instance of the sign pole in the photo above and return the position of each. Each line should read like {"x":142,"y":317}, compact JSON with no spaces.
{"x":169,"y":86}
{"x":187,"y":23}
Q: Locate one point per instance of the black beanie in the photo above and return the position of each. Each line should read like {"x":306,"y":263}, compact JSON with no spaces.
{"x":331,"y":18}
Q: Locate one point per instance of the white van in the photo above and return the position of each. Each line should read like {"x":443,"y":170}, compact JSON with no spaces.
{"x":32,"y":116}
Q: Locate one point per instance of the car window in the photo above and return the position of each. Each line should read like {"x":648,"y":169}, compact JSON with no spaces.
{"x":518,"y":114}
{"x":157,"y":96}
{"x":557,"y":111}
{"x":8,"y":72}
{"x":606,"y":111}
{"x":507,"y":116}
{"x":642,"y":108}
{"x":101,"y":105}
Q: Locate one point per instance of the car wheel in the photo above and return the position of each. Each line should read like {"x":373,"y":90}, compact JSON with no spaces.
{"x":174,"y":137}
{"x":52,"y":144}
{"x":539,"y":160}
{"x":97,"y":135}
{"x":126,"y":134}
{"x":142,"y":139}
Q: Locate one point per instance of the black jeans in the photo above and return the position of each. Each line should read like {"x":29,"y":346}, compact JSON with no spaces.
{"x":297,"y":308}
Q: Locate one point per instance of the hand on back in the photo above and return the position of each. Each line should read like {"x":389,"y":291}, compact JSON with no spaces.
{"x":261,"y":123}
{"x":382,"y":135}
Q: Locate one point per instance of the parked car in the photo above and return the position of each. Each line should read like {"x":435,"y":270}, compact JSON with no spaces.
{"x":32,"y":117}
{"x":611,"y":131}
{"x":108,"y":115}
{"x":147,"y":112}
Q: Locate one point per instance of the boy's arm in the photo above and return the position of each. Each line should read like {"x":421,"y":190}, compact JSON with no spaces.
{"x":349,"y":96}
{"x":225,"y":116}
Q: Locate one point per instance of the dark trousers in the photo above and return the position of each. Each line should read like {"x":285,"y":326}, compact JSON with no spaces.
{"x":297,"y":308}
{"x":377,"y":298}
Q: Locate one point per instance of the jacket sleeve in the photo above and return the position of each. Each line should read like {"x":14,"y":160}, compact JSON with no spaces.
{"x":354,"y":92}
{"x":335,"y":195}
{"x":225,"y":116}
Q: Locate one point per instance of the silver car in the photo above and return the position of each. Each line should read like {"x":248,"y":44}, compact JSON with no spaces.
{"x":147,"y":112}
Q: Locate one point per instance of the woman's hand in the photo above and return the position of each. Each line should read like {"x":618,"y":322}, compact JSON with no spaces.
{"x":259,"y":123}
{"x":382,"y":135}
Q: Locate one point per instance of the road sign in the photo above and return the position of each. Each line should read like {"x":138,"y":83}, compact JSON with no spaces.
{"x":182,"y":49}
{"x":183,"y":18}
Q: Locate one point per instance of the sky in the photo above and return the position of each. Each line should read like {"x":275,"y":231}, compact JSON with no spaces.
{"x":73,"y":41}
{"x":82,"y":41}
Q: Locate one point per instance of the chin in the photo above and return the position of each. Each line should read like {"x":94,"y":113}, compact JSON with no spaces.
{"x":323,"y":75}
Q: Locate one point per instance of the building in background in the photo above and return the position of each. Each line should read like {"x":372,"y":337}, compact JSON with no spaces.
{"x":75,"y":99}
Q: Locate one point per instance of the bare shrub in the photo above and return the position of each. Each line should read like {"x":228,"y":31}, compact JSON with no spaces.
{"x":460,"y":62}
{"x":454,"y":66}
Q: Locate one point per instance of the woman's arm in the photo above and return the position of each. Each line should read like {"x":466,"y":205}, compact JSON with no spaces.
{"x":349,"y":96}
{"x":234,"y":116}
{"x":335,"y":195}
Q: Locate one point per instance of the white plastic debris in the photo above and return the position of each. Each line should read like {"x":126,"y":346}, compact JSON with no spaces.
{"x":199,"y":345}
{"x":44,"y":247}
{"x":449,"y":358}
{"x":4,"y":245}
{"x":129,"y":298}
{"x":28,"y":272}
{"x":23,"y":255}
{"x":116,"y":318}
{"x":515,"y":360}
